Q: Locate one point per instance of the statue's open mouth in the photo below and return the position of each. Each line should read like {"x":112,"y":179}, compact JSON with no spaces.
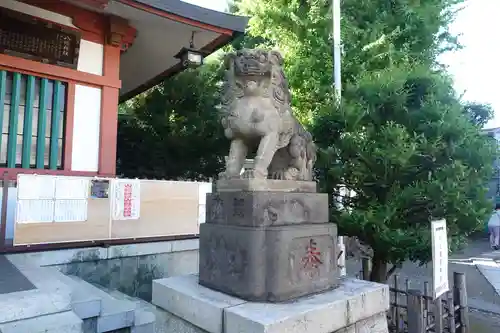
{"x":252,"y":71}
{"x":256,"y":72}
{"x":252,"y":67}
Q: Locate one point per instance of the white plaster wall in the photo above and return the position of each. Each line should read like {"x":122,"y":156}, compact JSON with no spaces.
{"x":86,"y":128}
{"x":11,"y":213}
{"x":38,"y":12}
{"x":91,"y":58}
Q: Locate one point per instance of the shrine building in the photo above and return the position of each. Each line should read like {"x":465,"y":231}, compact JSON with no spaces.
{"x":65,"y":65}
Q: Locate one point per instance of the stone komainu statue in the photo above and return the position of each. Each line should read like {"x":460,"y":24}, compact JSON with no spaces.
{"x":256,"y":113}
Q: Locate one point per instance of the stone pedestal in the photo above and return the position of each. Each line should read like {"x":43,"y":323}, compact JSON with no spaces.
{"x":268,"y":240}
{"x":354,"y":307}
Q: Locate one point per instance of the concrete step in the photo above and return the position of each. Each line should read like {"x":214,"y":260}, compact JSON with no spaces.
{"x":63,"y":322}
{"x":83,"y":302}
{"x":115,"y":314}
{"x":144,"y":322}
{"x":50,"y":297}
{"x":144,"y":318}
{"x":89,"y":301}
{"x":25,"y":305}
{"x":112,"y":309}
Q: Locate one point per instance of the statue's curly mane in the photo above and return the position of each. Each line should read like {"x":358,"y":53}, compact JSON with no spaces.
{"x":280,"y":91}
{"x":274,"y":84}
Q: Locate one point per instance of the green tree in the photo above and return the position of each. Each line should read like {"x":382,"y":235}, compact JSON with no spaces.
{"x":173,"y":130}
{"x":375,"y":34}
{"x":406,"y":150}
{"x":401,"y":139}
{"x":478,"y":113}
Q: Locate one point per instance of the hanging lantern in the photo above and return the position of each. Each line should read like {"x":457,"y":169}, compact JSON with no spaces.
{"x":189,"y":56}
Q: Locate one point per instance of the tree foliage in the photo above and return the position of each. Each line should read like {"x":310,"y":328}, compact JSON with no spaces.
{"x":477,"y":113}
{"x":173,"y":130}
{"x":375,"y":34}
{"x":401,"y":143}
{"x":401,"y":139}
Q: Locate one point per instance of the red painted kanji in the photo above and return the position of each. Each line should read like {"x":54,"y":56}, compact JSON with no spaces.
{"x":127,"y":200}
{"x":312,"y":259}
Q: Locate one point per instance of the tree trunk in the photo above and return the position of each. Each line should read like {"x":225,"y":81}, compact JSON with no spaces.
{"x":379,"y":270}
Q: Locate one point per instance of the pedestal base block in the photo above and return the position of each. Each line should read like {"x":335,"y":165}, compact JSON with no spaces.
{"x":273,"y":185}
{"x":354,"y":307}
{"x":271,"y":263}
{"x":264,"y":209}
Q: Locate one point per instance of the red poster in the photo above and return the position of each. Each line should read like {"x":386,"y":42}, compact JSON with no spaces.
{"x":127,"y":200}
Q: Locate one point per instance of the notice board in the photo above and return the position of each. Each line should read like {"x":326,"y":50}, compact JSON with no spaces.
{"x":28,"y":37}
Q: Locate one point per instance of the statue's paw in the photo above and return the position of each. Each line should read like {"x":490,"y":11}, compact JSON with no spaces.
{"x":292,"y":174}
{"x":253,"y":174}
{"x":224,"y":175}
{"x":278,"y":175}
{"x":248,"y":174}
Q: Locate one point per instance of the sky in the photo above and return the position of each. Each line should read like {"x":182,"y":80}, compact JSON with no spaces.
{"x":219,"y":5}
{"x":476,"y":67}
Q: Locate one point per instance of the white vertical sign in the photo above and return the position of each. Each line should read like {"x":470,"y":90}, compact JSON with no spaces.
{"x":203,"y":189}
{"x":126,"y":199}
{"x":439,"y":257}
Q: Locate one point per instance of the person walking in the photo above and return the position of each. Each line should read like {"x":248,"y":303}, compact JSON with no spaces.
{"x":494,"y":228}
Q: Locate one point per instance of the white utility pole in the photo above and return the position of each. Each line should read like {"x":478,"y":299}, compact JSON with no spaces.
{"x":337,"y":53}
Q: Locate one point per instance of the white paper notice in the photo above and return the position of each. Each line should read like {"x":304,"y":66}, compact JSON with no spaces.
{"x":35,"y":187}
{"x":70,"y":210}
{"x":72,"y":188}
{"x":126,"y":199}
{"x":439,"y":257}
{"x":35,"y":211}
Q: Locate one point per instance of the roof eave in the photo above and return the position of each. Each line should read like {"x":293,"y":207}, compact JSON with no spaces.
{"x":224,"y":40}
{"x":227,"y":25}
{"x":192,"y":12}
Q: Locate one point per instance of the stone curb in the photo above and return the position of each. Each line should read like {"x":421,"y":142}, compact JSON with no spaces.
{"x":491,"y":273}
{"x":480,"y":305}
{"x":60,"y":257}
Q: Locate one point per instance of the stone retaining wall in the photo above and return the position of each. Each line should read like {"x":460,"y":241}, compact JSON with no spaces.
{"x":127,"y":268}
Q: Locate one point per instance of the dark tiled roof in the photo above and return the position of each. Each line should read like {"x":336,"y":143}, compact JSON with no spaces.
{"x":203,"y":15}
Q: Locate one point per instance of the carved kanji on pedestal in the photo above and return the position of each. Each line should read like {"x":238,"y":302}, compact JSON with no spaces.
{"x":312,"y":259}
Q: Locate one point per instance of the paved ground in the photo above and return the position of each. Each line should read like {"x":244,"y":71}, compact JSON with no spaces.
{"x":483,"y":322}
{"x":480,"y":292}
{"x":11,"y":280}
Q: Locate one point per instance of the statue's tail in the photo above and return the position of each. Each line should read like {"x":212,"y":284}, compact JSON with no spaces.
{"x":311,"y":151}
